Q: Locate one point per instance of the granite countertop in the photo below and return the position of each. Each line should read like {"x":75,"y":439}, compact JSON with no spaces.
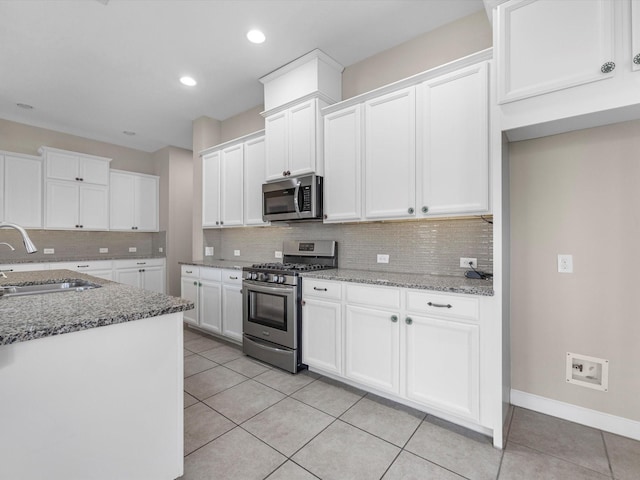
{"x":89,"y":258}
{"x":230,"y":264}
{"x":440,"y":283}
{"x":30,"y":317}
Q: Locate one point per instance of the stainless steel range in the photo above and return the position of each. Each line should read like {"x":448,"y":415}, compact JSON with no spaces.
{"x":272,"y":307}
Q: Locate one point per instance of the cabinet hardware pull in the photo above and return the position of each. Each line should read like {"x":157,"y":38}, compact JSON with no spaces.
{"x":233,"y":278}
{"x":439,"y":305}
{"x":408,"y":320}
{"x":636,"y":59}
{"x":141,"y":263}
{"x":425,"y":209}
{"x":320,"y":289}
{"x":82,"y":266}
{"x":608,"y":67}
{"x":394,"y":318}
{"x":411,"y":210}
{"x":188,"y":271}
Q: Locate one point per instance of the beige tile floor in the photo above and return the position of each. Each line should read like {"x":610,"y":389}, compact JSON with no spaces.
{"x":244,"y":420}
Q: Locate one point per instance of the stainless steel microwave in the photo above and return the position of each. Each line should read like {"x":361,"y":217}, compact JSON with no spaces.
{"x":298,"y":198}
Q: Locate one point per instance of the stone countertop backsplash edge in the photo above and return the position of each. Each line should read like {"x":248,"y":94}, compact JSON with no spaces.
{"x":90,"y":258}
{"x":439,"y":283}
{"x":228,"y":264}
{"x":31,"y":317}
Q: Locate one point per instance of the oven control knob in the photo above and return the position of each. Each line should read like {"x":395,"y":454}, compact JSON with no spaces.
{"x":261,"y":277}
{"x":280,"y":279}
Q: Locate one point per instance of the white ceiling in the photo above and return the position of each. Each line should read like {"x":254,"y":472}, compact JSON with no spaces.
{"x":95,"y":70}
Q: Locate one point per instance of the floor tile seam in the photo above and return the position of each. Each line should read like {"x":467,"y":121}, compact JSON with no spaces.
{"x":606,"y":452}
{"x":369,"y":433}
{"x":212,"y":440}
{"x":202,"y":371}
{"x":203,"y":399}
{"x":297,"y":464}
{"x":432,"y":462}
{"x":236,"y":424}
{"x":357,"y":402}
{"x":261,"y":411}
{"x":559,"y":458}
{"x":290,"y":457}
{"x":312,"y":406}
{"x":287,"y":457}
{"x":391,"y":464}
{"x":284,"y":393}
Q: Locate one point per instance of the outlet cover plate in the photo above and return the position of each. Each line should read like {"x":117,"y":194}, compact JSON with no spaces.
{"x":133,"y":249}
{"x":278,"y":254}
{"x":565,"y":263}
{"x":48,"y":251}
{"x":208,"y":251}
{"x":464,"y":262}
{"x":236,"y":253}
{"x":104,"y":250}
{"x":383,"y":258}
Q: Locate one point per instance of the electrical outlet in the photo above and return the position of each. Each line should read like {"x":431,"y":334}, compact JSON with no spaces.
{"x":208,"y":251}
{"x":565,"y":263}
{"x":236,"y":253}
{"x":160,"y":249}
{"x":104,"y":250}
{"x":278,"y":254}
{"x":382,"y":258}
{"x":48,"y":251}
{"x":133,"y":249}
{"x":464,"y":262}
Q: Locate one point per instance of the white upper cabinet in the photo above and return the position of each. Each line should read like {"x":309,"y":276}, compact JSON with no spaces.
{"x":254,"y":176}
{"x":231,"y":186}
{"x":390,"y":155}
{"x":21,"y":190}
{"x":211,"y":189}
{"x":453,"y":147}
{"x":76,"y":190}
{"x":635,"y":35}
{"x":292,"y":141}
{"x":343,"y":165}
{"x":546,"y":46}
{"x":134,"y":202}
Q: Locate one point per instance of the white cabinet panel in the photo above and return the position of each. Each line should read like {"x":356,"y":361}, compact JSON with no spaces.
{"x":22,"y":184}
{"x":231,"y":186}
{"x":153,"y":279}
{"x":302,"y":138}
{"x":578,"y":40}
{"x":254,"y":177}
{"x":277,"y":143}
{"x":211,"y":189}
{"x":232,"y":311}
{"x":128,"y":276}
{"x":2,"y":189}
{"x":62,"y":205}
{"x":122,"y":201}
{"x":443,"y":365}
{"x":93,"y":204}
{"x":148,"y":274}
{"x":322,"y":335}
{"x":133,"y":202}
{"x":146,"y":203}
{"x":62,"y":166}
{"x":635,"y":34}
{"x":372,"y":348}
{"x":343,"y":165}
{"x":390,"y":155}
{"x":211,"y":306}
{"x":454,"y":143}
{"x":189,"y":290}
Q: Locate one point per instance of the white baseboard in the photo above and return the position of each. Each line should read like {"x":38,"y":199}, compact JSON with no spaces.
{"x":573,"y":413}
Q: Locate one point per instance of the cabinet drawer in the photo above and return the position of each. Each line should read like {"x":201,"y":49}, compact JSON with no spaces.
{"x":442,"y":305}
{"x":80,"y":266}
{"x":232,"y":276}
{"x":190,"y":271}
{"x":139,"y":263}
{"x":372,"y":296}
{"x":322,"y":289}
{"x":214,"y":274}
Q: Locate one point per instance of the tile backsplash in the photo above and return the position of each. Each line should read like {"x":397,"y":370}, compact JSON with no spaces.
{"x":422,"y":246}
{"x":72,"y":245}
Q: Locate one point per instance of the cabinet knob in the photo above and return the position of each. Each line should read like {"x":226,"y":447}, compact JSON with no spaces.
{"x":195,"y":283}
{"x":325,"y":216}
{"x":408,"y":320}
{"x":217,"y":223}
{"x":425,"y":209}
{"x":394,"y":318}
{"x":608,"y":67}
{"x":410,"y":210}
{"x":284,"y":173}
{"x":221,"y":222}
{"x":303,"y":303}
{"x":636,"y":59}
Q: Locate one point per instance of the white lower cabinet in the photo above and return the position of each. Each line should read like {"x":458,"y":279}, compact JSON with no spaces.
{"x":97,"y":268}
{"x":23,"y":267}
{"x":148,"y":274}
{"x":217,"y":296}
{"x":416,"y":346}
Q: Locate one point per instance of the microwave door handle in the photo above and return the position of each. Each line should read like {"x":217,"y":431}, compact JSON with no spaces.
{"x":295,"y":199}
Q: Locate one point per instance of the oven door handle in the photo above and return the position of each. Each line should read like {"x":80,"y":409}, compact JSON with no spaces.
{"x":296,"y":204}
{"x":258,"y":287}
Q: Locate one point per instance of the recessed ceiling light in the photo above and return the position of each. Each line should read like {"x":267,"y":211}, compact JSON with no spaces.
{"x":129,"y":132}
{"x":24,"y":106}
{"x":256,"y":36}
{"x":188,"y":81}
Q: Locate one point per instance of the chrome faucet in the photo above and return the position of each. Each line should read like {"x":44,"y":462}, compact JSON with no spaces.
{"x":28,"y":244}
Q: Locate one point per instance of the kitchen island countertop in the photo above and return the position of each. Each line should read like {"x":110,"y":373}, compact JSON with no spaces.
{"x":229,"y":264}
{"x":440,"y":283}
{"x":30,"y":317}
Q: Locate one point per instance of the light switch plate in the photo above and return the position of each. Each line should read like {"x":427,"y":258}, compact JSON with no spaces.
{"x":383,"y":258}
{"x":104,"y":250}
{"x":236,"y":253}
{"x":278,"y":254}
{"x":132,"y":249}
{"x":208,"y":251}
{"x":48,"y":251}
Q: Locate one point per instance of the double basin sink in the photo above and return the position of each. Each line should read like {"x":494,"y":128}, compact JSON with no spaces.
{"x":40,"y":289}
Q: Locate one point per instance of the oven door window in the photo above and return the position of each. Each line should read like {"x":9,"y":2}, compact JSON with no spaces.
{"x":268,"y":309}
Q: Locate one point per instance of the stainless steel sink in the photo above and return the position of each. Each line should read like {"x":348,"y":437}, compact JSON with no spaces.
{"x":40,"y":289}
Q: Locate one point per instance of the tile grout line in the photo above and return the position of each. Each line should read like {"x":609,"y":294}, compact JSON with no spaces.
{"x":606,"y":452}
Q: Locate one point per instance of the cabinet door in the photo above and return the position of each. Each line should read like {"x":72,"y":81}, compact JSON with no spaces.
{"x":146,"y":204}
{"x":635,"y":34}
{"x":442,"y":367}
{"x":302,"y":138}
{"x":94,"y":170}
{"x":232,"y":311}
{"x":2,"y":188}
{"x":189,"y":290}
{"x":153,"y":279}
{"x":322,"y":335}
{"x":61,"y":205}
{"x":211,"y":190}
{"x":454,"y":143}
{"x":371,"y":348}
{"x":22,"y":191}
{"x":390,"y":155}
{"x":254,"y":177}
{"x":94,"y":207}
{"x":121,"y":202}
{"x":210,"y":306}
{"x":128,"y":276}
{"x":62,"y":166}
{"x":343,"y":165}
{"x":231,"y":186}
{"x":577,"y":42}
{"x":277,"y":143}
